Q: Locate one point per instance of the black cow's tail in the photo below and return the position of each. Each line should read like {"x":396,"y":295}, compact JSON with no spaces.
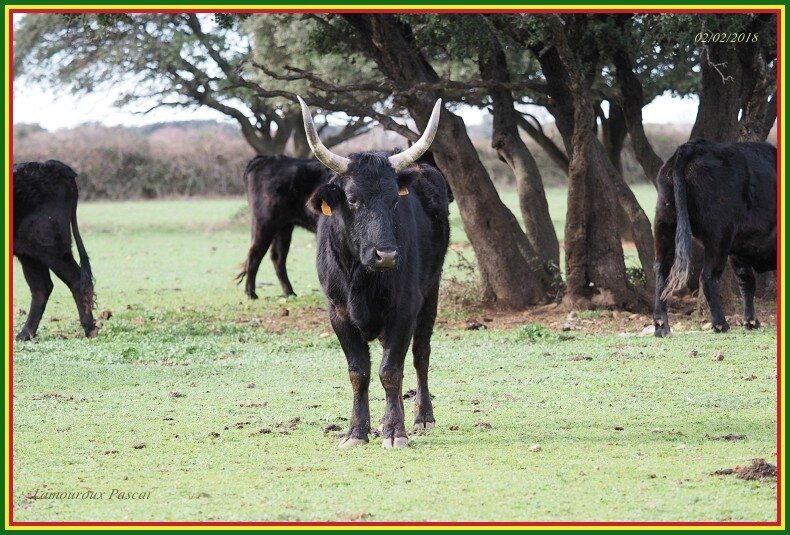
{"x":242,"y":274}
{"x":86,"y":275}
{"x":681,"y":267}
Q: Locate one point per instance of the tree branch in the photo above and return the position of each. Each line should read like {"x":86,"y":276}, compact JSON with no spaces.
{"x":536,"y":132}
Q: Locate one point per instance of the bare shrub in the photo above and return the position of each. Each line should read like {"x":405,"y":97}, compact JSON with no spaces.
{"x":123,"y":163}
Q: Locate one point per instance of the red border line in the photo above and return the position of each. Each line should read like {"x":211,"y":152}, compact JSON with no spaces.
{"x":779,"y":200}
{"x":10,"y":271}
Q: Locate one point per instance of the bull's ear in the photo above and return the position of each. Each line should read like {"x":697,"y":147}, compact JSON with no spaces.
{"x":325,"y":198}
{"x":405,"y":179}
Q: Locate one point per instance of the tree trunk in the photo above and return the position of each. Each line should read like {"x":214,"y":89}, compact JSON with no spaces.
{"x":614,"y":131}
{"x":633,"y":100}
{"x":301,"y":148}
{"x":511,"y":274}
{"x":595,"y":266}
{"x":552,"y":150}
{"x":512,"y":149}
{"x":632,"y":221}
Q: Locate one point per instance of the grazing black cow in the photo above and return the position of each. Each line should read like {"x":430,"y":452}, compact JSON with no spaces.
{"x":723,"y":194}
{"x":45,"y":215}
{"x":277,"y":191}
{"x":382,"y":238}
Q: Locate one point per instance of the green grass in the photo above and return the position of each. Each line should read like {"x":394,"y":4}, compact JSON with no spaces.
{"x":180,"y":325}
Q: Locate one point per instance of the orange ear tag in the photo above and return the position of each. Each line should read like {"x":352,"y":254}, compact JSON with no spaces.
{"x":325,"y":208}
{"x":403,"y":191}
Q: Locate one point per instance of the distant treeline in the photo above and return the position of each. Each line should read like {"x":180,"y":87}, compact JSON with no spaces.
{"x":206,"y":158}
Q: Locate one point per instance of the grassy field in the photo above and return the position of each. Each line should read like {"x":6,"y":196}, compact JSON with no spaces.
{"x":225,"y":409}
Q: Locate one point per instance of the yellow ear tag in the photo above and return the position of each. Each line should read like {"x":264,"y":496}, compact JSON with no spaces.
{"x":325,"y":208}
{"x":403,"y":191}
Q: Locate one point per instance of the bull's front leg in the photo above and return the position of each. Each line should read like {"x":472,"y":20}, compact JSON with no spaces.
{"x":358,"y":359}
{"x":396,"y":343}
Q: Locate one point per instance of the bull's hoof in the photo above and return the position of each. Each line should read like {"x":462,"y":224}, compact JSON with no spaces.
{"x":423,"y":426}
{"x":661,"y":329}
{"x":751,"y":324}
{"x":350,"y":442}
{"x":721,"y":327}
{"x":395,"y":443}
{"x":252,"y":294}
{"x":24,"y":336}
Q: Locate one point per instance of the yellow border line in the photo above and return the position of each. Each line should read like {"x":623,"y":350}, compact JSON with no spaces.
{"x":315,"y":7}
{"x":7,"y":277}
{"x":782,"y":262}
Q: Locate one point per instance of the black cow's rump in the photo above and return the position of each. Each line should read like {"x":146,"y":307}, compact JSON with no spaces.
{"x":45,"y":215}
{"x":277,"y":189}
{"x":723,"y":194}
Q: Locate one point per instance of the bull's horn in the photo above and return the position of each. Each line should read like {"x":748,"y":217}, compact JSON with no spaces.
{"x":409,"y":156}
{"x":335,"y":162}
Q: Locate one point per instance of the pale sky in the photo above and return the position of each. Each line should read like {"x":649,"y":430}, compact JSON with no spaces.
{"x":33,"y":104}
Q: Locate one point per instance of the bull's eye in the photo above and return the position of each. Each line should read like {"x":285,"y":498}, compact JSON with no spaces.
{"x":353,"y":202}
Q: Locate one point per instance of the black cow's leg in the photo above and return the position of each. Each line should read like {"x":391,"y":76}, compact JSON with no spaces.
{"x":396,"y":344}
{"x":712,"y":268}
{"x":421,"y":350}
{"x":67,"y":270}
{"x":747,"y":284}
{"x":665,"y":256}
{"x":279,"y":253}
{"x":261,"y":239}
{"x":358,"y":359}
{"x":40,"y":283}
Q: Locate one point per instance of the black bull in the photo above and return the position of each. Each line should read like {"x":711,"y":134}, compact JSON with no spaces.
{"x":382,"y":237}
{"x":723,"y":194}
{"x":45,"y":215}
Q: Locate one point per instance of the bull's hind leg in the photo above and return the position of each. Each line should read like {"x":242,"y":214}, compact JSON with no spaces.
{"x":747,"y":284}
{"x":421,"y":350}
{"x":396,"y":343}
{"x":279,"y":254}
{"x":358,"y":359}
{"x":40,"y":283}
{"x":67,"y":270}
{"x":712,"y":268}
{"x":263,"y":233}
{"x":665,"y":256}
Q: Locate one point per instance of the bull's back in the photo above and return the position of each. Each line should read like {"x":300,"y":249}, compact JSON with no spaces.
{"x":279,"y":186}
{"x":721,"y":186}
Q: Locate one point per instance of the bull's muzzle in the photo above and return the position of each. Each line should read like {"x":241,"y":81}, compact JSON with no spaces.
{"x":385,"y":259}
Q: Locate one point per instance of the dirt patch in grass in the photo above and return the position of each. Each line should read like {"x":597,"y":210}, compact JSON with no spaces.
{"x":309,"y":318}
{"x":53,"y":395}
{"x":462,"y":315}
{"x":729,"y":437}
{"x":682,"y":317}
{"x":759,"y":469}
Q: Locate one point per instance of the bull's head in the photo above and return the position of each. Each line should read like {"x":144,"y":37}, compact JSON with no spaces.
{"x":364,"y":192}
